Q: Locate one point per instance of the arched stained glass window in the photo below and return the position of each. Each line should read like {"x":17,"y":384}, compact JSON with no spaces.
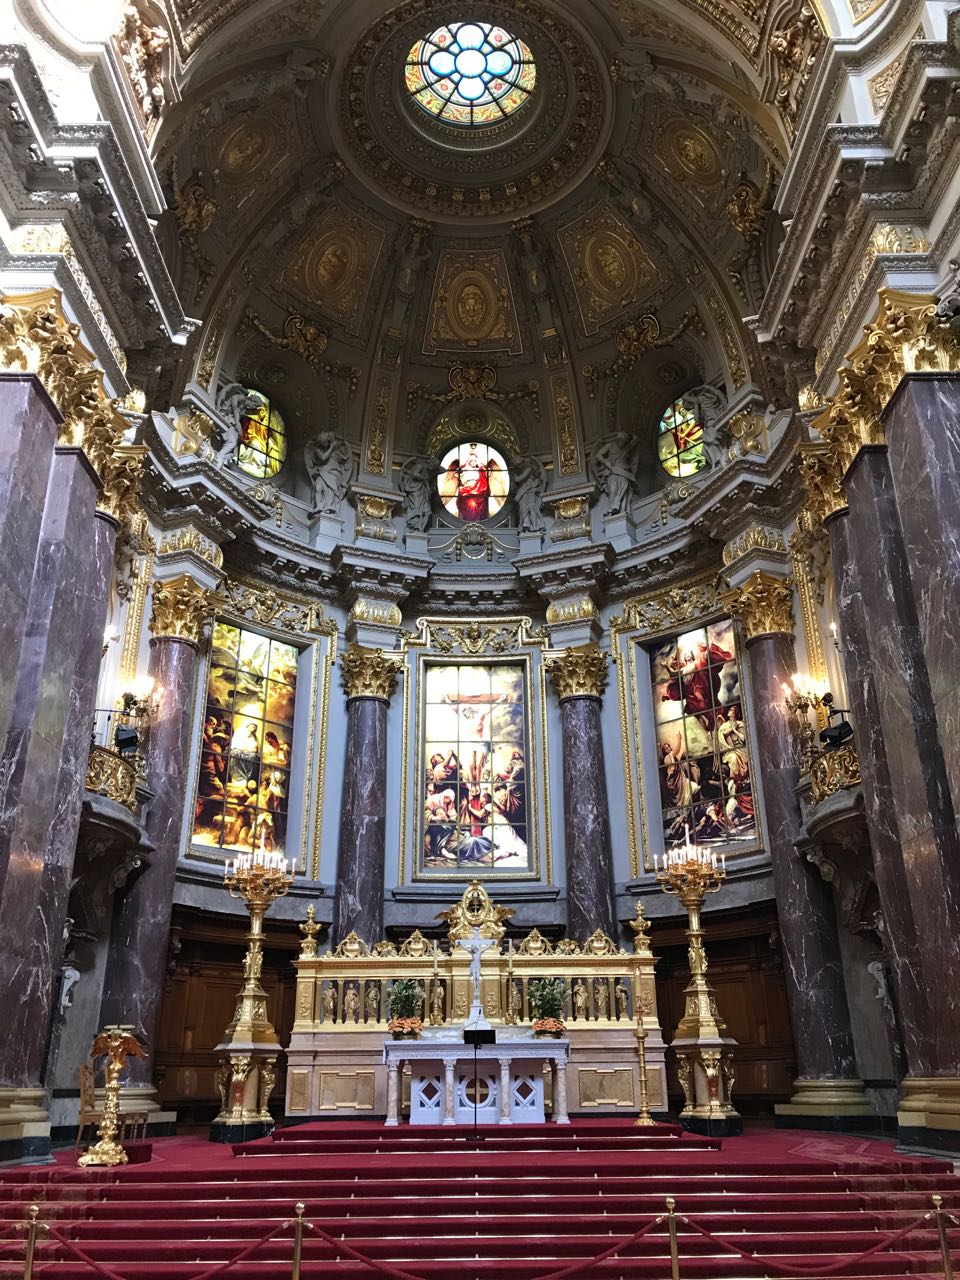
{"x":680,"y":441}
{"x":262,"y":450}
{"x":474,"y":481}
{"x":470,"y":73}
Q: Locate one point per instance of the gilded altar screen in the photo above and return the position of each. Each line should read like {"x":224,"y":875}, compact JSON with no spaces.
{"x":703,"y":754}
{"x":244,"y":775}
{"x":474,"y":802}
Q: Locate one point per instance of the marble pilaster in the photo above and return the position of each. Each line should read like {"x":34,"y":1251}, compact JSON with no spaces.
{"x":914,"y":749}
{"x":369,"y":678}
{"x":578,"y":677}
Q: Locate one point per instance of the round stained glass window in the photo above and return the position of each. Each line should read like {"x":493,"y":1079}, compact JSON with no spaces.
{"x":680,"y":441}
{"x":470,"y":73}
{"x":262,"y":450}
{"x":473,"y":482}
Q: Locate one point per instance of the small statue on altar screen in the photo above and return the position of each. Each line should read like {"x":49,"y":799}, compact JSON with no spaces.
{"x":601,"y":994}
{"x":515,"y":1006}
{"x":351,"y":1004}
{"x":622,"y":997}
{"x":373,"y":1003}
{"x":436,"y":1004}
{"x":329,"y":1004}
{"x":581,"y":1000}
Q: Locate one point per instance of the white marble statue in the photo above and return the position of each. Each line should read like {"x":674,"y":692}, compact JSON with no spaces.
{"x":233,"y":403}
{"x":529,"y":485}
{"x":615,"y":470}
{"x":709,"y":406}
{"x":329,"y":464}
{"x":418,"y":480}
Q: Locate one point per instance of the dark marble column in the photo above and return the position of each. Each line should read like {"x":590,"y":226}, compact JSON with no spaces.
{"x":906,"y":719}
{"x":369,"y":678}
{"x":922,"y":423}
{"x":901,"y":935}
{"x":137,"y":960}
{"x":816,"y":994}
{"x":44,"y":756}
{"x":28,"y":434}
{"x":578,"y":677}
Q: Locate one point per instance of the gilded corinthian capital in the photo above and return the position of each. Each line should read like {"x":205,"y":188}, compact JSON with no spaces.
{"x":369,"y":673}
{"x":181,"y":609}
{"x":764,"y":604}
{"x":578,"y":673}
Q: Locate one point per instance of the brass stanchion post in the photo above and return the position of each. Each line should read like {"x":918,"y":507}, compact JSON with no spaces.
{"x":640,"y":1032}
{"x":34,"y":1229}
{"x":298,"y":1209}
{"x":674,"y":1244}
{"x":942,"y":1232}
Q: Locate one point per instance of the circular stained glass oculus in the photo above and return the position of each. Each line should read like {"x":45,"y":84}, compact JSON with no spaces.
{"x":680,"y":441}
{"x":470,"y":73}
{"x":474,"y":481}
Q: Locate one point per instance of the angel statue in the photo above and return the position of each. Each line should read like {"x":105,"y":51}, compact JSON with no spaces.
{"x":234,"y":404}
{"x":329,"y":464}
{"x":615,"y":470}
{"x":529,"y":484}
{"x":417,"y":481}
{"x":708,"y":406}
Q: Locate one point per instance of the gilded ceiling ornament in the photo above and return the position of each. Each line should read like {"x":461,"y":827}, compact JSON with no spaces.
{"x":369,"y":673}
{"x":181,"y":609}
{"x":609,"y":266}
{"x":747,"y":207}
{"x":577,"y":673}
{"x":580,"y":609}
{"x":756,"y":537}
{"x":634,"y":340}
{"x":565,"y":423}
{"x":472,"y":304}
{"x":454,"y":426}
{"x":795,"y":49}
{"x":731,"y":347}
{"x":376,"y":443}
{"x":764,"y":605}
{"x":474,"y":382}
{"x":379,"y":612}
{"x":190,"y":539}
{"x":749,"y":430}
{"x":333,"y":265}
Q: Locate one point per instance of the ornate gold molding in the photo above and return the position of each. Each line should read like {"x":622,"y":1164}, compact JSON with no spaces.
{"x":108,"y":774}
{"x":907,"y":336}
{"x":190,"y":539}
{"x":181,"y":609}
{"x":369,"y":673}
{"x":666,"y":608}
{"x":821,"y":476}
{"x":379,"y":612}
{"x":579,"y":609}
{"x":833,"y":771}
{"x":764,"y":604}
{"x":482,"y":636}
{"x":756,"y":537}
{"x":577,"y":673}
{"x":36,"y":337}
{"x":121,"y":475}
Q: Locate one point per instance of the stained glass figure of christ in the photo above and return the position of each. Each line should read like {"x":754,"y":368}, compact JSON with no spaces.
{"x":473,"y":481}
{"x":470,"y":73}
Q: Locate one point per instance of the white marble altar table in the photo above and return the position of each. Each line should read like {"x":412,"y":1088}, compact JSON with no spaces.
{"x":509,"y":1079}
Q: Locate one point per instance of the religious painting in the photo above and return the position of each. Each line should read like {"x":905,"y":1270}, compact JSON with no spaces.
{"x":704,"y":769}
{"x":475,"y":809}
{"x":474,"y":481}
{"x":244,"y":777}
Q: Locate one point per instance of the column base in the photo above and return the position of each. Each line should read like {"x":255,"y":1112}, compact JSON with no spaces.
{"x":140,"y":1099}
{"x":929,"y":1113}
{"x":828,"y":1105}
{"x":249,"y":1131}
{"x":713,"y":1126}
{"x":24,"y":1127}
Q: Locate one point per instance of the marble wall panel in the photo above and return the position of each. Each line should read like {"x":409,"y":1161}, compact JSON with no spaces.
{"x":586,"y":820}
{"x":363,"y":823}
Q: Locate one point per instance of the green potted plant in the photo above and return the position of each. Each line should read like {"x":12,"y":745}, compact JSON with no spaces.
{"x":404,"y":1003}
{"x":547,"y":998}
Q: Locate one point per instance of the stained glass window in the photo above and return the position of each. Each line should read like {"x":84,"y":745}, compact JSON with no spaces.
{"x":262,"y":450}
{"x":474,"y":769}
{"x":680,"y":442}
{"x":244,"y":776}
{"x":474,"y":481}
{"x":702,"y":749}
{"x":470,"y":73}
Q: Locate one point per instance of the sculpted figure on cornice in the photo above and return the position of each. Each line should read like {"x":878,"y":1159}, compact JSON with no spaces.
{"x":534,"y":273}
{"x":414,"y":255}
{"x":529,"y":486}
{"x":329,"y":464}
{"x":615,"y":464}
{"x":637,"y":68}
{"x":709,"y":406}
{"x":141,"y":47}
{"x":417,"y":481}
{"x":233,"y":402}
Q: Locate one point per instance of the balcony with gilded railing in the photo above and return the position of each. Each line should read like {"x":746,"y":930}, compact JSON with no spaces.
{"x":115,"y":763}
{"x":828,"y":756}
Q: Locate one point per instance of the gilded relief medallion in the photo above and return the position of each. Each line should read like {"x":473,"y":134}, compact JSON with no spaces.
{"x":611,"y":269}
{"x":472,"y":304}
{"x":246,"y":154}
{"x":687,"y":150}
{"x":333,"y":264}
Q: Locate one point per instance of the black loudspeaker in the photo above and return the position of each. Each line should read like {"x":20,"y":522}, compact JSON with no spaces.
{"x":479,"y":1035}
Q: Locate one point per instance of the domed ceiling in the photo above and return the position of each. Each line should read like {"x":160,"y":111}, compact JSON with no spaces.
{"x":328,"y":228}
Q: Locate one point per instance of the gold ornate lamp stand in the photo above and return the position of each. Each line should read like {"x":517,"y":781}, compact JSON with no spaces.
{"x":116,"y":1044}
{"x":248,"y":1053}
{"x":704,"y":1050}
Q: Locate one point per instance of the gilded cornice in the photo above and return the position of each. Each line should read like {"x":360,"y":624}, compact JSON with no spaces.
{"x":37,"y":338}
{"x":369,"y":673}
{"x":577,"y":673}
{"x":763,"y":604}
{"x":252,"y":601}
{"x":181,"y":609}
{"x":670,"y":607}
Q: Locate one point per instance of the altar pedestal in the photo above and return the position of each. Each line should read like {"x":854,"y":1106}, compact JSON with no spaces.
{"x":509,"y":1080}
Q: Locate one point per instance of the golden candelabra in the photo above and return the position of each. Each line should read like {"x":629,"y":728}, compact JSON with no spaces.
{"x":249,"y":1049}
{"x":800,"y":698}
{"x":116,"y":1044}
{"x":703,"y":1049}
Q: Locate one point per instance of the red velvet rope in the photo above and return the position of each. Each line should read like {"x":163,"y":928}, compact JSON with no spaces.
{"x":602,"y":1257}
{"x":788,"y":1269}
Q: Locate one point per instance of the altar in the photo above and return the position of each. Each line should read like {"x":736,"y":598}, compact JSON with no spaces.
{"x":507,"y":1085}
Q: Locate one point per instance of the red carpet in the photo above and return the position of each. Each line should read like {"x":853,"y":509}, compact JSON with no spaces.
{"x":528,"y":1202}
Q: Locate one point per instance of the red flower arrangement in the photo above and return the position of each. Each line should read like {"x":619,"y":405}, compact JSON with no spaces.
{"x":552,"y":1026}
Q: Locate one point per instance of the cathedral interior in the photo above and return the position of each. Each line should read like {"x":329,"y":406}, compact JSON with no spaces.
{"x":481,"y":457}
